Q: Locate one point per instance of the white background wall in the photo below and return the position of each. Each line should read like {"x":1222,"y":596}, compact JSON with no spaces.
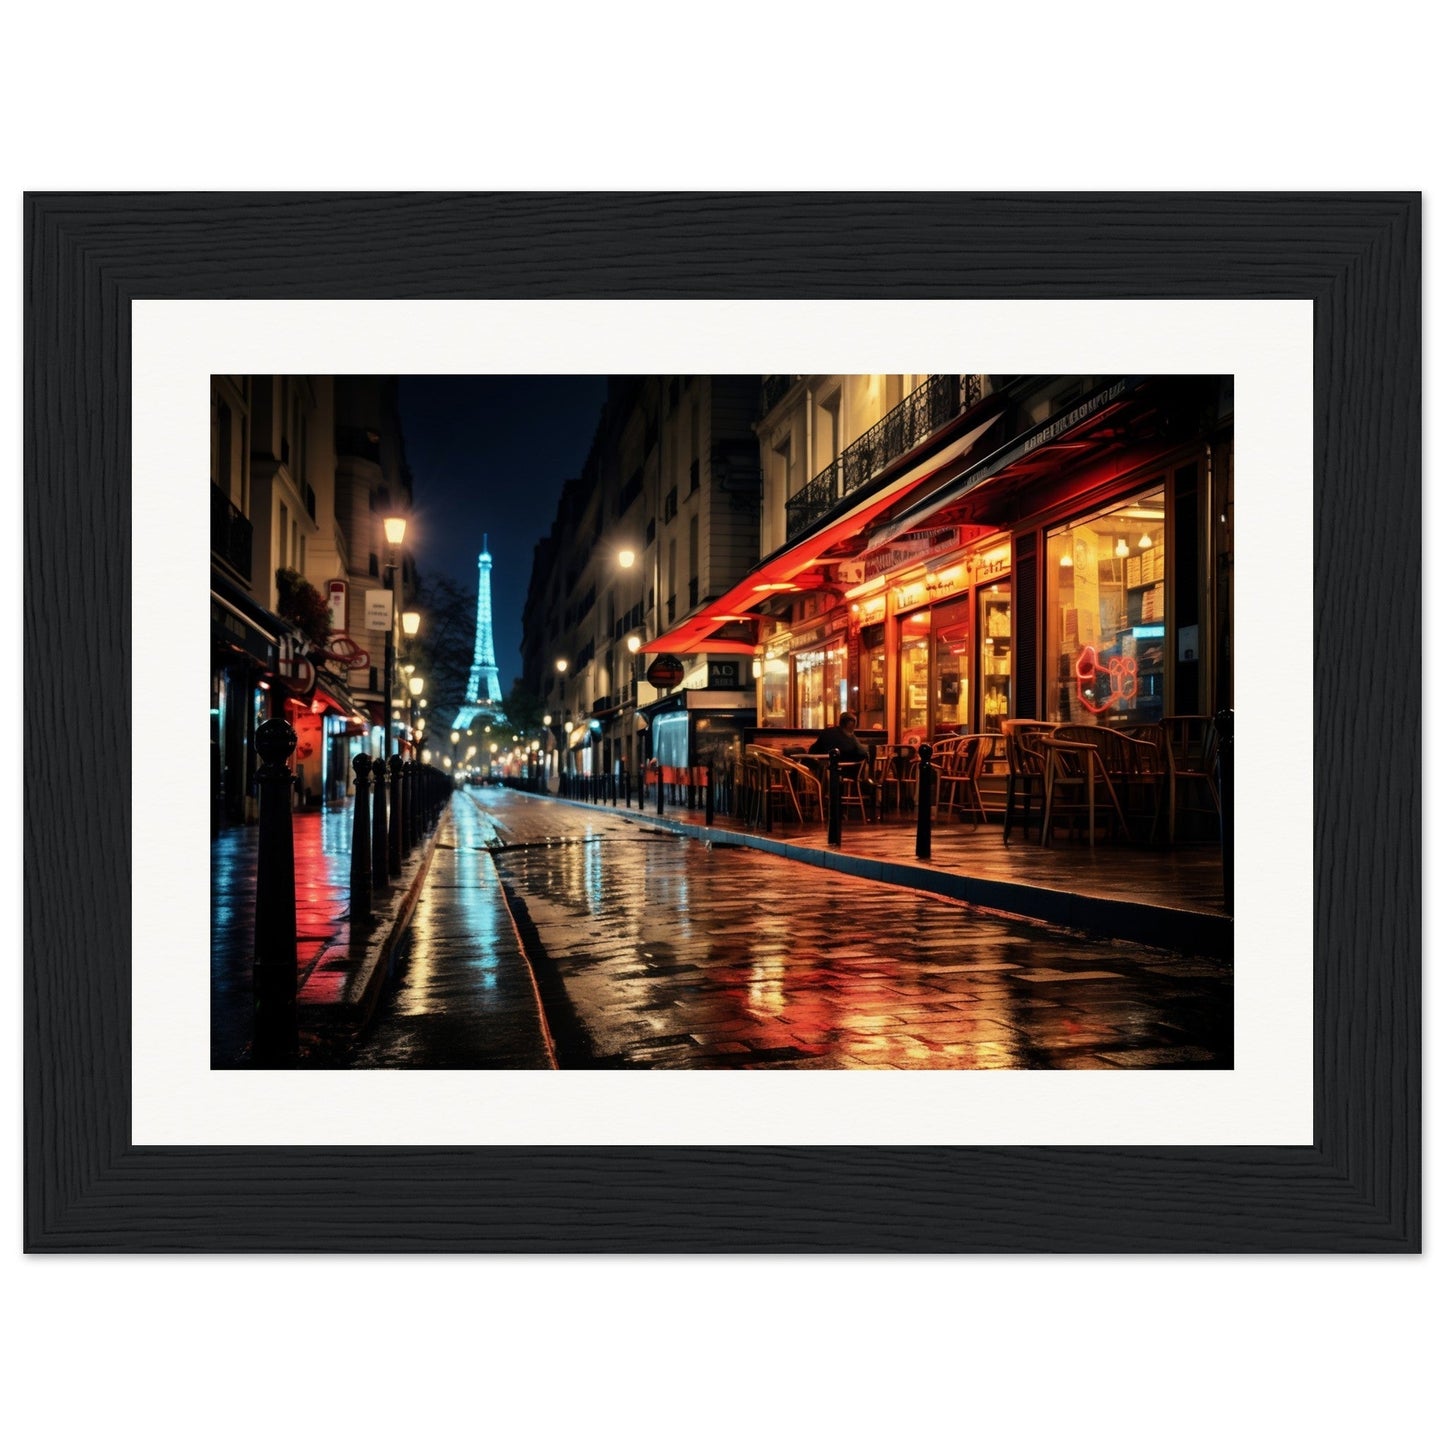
{"x":1121,"y":97}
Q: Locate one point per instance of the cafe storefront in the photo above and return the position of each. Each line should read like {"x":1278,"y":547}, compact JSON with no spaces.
{"x":1080,"y":573}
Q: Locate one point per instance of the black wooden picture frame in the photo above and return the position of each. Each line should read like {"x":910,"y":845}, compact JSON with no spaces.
{"x":1357,"y":1187}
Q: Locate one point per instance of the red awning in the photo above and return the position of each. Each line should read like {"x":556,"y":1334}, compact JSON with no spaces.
{"x":798,"y":566}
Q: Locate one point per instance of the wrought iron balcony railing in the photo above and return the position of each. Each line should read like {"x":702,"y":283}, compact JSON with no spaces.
{"x":921,"y":413}
{"x":231,"y":533}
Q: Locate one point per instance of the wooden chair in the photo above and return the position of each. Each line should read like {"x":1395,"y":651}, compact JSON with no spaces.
{"x":1192,"y":746}
{"x":1077,"y":778}
{"x":959,"y":773}
{"x":1145,"y":785}
{"x":1025,"y":770}
{"x":786,"y":786}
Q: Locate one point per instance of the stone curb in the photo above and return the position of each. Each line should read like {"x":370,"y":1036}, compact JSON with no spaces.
{"x":1178,"y":929}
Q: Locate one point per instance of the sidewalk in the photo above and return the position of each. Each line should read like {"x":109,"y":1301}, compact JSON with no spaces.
{"x":340,"y":968}
{"x":1165,"y":897}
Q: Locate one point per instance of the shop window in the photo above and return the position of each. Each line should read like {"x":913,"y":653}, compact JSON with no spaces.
{"x":1107,"y":629}
{"x":951,"y":632}
{"x":913,"y":643}
{"x":812,"y":701}
{"x":995,"y":642}
{"x":872,"y":671}
{"x":775,"y":692}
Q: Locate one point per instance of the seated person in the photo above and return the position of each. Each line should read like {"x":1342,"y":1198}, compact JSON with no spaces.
{"x":850,"y":750}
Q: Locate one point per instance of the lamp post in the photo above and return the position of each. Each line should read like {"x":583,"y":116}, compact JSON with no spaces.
{"x":395,"y":529}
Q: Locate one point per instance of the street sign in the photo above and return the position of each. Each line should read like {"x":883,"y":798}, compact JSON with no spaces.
{"x":666,"y":671}
{"x":378,"y":610}
{"x":725,"y":676}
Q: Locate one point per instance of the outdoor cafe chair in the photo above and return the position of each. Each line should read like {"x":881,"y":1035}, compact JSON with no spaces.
{"x":1025,"y":769}
{"x":895,"y":774}
{"x":959,"y":773}
{"x":1192,"y":746}
{"x":1077,"y":780}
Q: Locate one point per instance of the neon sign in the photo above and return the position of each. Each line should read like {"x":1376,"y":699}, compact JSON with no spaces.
{"x":1123,"y":675}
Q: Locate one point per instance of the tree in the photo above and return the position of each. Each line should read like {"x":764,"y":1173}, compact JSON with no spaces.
{"x":442,"y":650}
{"x":302,"y":605}
{"x":524,"y":709}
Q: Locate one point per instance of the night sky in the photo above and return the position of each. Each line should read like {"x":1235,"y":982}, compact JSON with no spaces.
{"x":489,"y":455}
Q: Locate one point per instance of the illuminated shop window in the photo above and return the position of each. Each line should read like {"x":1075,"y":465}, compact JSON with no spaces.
{"x":808,"y":672}
{"x":950,"y":667}
{"x":775,"y":692}
{"x":872,"y":672}
{"x":913,"y":642}
{"x":1107,"y":629}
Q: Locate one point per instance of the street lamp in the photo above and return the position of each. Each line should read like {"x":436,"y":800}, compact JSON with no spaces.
{"x":395,"y":529}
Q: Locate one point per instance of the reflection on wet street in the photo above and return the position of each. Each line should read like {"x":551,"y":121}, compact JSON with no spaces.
{"x":674,"y":954}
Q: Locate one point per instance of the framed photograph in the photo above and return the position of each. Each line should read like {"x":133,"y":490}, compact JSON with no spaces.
{"x":1311,"y":303}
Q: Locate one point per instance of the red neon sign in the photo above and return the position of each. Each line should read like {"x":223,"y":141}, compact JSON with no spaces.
{"x":1123,"y":675}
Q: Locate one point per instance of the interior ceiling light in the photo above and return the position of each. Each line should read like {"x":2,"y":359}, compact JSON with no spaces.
{"x":1121,"y":548}
{"x":1145,"y":541}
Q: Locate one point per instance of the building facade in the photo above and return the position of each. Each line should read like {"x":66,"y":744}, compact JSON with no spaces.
{"x":662,"y":521}
{"x":303,"y":470}
{"x":942,"y":553}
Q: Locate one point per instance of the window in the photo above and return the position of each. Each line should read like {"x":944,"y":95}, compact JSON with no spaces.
{"x":283,"y":538}
{"x":1105,"y":600}
{"x":995,"y":641}
{"x":951,"y":638}
{"x":913,"y":676}
{"x":822,"y":679}
{"x":872,"y":670}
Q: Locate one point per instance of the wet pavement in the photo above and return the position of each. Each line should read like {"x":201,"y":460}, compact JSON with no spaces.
{"x":463,"y":995}
{"x":652,"y":950}
{"x":321,"y":842}
{"x":551,"y":935}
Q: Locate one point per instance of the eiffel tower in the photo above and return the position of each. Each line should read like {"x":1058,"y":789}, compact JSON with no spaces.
{"x":484,"y":690}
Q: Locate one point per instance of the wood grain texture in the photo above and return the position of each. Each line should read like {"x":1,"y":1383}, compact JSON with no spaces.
{"x":1357,"y":257}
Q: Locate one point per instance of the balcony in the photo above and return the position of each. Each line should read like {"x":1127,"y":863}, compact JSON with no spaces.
{"x":231,"y":533}
{"x":921,"y":413}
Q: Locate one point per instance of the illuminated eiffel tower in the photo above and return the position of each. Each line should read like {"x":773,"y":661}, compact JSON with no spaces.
{"x":484,"y":690}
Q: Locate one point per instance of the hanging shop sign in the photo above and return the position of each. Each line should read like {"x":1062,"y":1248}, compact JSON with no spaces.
{"x":666,"y":671}
{"x":336,"y":604}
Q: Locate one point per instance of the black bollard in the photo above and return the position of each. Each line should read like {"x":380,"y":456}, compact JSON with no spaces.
{"x":380,"y":868}
{"x":361,"y":841}
{"x":1224,"y":767}
{"x":707,"y":792}
{"x":273,"y":972}
{"x":413,"y":805}
{"x":408,"y":786}
{"x":660,"y":788}
{"x":925,"y":802}
{"x":835,"y":802}
{"x":393,"y":851}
